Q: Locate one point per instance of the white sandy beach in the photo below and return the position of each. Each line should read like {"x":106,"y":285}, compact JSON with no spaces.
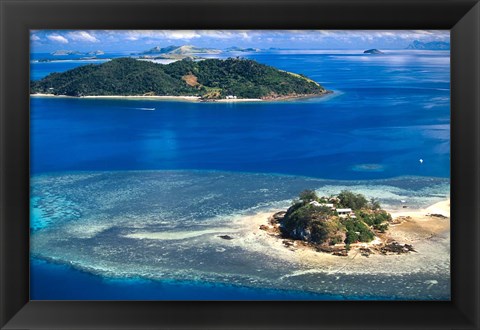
{"x":147,"y":97}
{"x":124,"y":97}
{"x":173,"y":98}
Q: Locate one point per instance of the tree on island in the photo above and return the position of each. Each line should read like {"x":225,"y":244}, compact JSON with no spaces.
{"x":351,"y":200}
{"x":374,"y":204}
{"x":308,"y":196}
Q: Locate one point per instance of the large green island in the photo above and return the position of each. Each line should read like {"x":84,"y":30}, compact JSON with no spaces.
{"x":210,"y":79}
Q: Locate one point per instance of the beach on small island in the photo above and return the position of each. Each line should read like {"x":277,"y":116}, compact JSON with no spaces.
{"x":428,"y":232}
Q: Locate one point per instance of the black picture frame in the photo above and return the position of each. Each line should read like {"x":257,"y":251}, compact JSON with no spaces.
{"x":17,"y":17}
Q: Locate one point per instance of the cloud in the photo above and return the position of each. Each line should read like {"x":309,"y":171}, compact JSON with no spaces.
{"x":57,"y":38}
{"x":182,"y":34}
{"x":224,"y":34}
{"x":245,"y":35}
{"x":337,"y":38}
{"x":135,"y":35}
{"x":328,"y":39}
{"x":82,"y":36}
{"x":298,"y":35}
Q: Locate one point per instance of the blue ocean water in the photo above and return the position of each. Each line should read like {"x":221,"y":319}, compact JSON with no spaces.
{"x":42,"y":64}
{"x":388,"y":110}
{"x":386,"y":113}
{"x":70,"y":284}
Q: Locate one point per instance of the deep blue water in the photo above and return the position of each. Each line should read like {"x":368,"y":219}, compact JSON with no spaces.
{"x":71,"y":284}
{"x":389,"y":111}
{"x":386,"y":113}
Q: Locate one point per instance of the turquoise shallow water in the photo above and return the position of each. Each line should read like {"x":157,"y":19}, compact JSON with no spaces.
{"x":106,"y":169}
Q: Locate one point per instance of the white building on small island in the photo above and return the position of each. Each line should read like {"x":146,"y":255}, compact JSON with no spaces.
{"x":231,"y":97}
{"x":315,"y":203}
{"x":344,"y":212}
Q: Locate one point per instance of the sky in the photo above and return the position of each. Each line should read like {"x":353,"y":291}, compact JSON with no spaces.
{"x":140,"y":40}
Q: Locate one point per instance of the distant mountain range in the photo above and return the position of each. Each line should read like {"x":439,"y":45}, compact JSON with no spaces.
{"x":189,"y":50}
{"x":432,"y":45}
{"x":180,"y":50}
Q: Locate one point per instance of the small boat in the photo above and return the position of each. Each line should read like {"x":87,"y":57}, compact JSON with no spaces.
{"x":146,"y":109}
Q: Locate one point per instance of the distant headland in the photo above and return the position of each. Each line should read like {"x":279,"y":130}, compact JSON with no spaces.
{"x":373,"y":51}
{"x":76,"y":52}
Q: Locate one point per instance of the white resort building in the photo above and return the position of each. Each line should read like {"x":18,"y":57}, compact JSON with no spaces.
{"x":315,"y":203}
{"x":344,"y":212}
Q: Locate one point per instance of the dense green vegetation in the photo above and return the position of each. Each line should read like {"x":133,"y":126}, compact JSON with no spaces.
{"x":311,"y":223}
{"x":356,"y":230}
{"x":313,"y":219}
{"x":350,"y":200}
{"x":378,"y":219}
{"x":209,"y":79}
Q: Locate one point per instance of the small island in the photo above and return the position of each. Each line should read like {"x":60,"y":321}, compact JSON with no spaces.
{"x":210,"y":79}
{"x":243,"y":50}
{"x":64,"y":52}
{"x":336,"y":223}
{"x":373,"y":51}
{"x":96,"y":52}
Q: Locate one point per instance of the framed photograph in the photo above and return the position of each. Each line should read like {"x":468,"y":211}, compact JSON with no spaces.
{"x":239,"y":165}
